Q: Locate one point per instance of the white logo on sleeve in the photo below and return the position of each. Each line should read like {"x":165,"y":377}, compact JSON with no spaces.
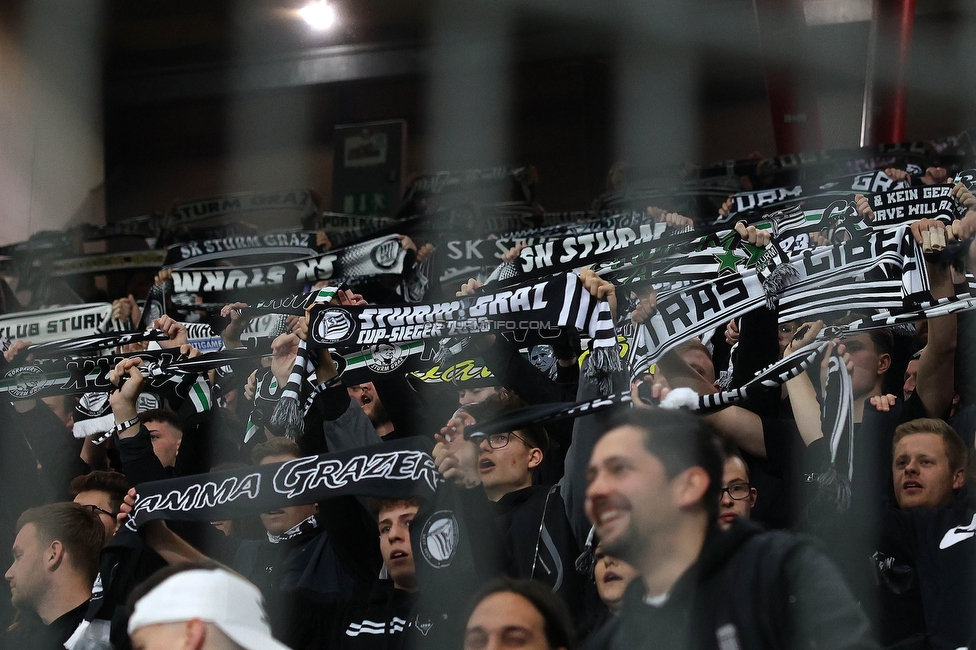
{"x":958,"y":534}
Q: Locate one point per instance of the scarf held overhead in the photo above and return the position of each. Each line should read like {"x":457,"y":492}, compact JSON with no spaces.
{"x":398,"y":469}
{"x":560,"y":301}
{"x":56,"y":323}
{"x":382,"y":256}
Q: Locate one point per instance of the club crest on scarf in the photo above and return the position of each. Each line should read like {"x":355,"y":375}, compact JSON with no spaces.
{"x":386,"y":254}
{"x":28,"y":384}
{"x":335,"y":325}
{"x":439,"y":539}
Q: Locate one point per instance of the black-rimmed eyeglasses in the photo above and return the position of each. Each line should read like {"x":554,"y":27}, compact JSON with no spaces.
{"x":500,"y":440}
{"x":737,"y":491}
{"x":95,"y":510}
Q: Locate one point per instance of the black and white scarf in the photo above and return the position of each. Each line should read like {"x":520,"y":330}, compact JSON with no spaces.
{"x":283,"y":246}
{"x":382,"y":256}
{"x":57,"y":323}
{"x":93,"y":414}
{"x":520,"y":179}
{"x":272,"y":204}
{"x":302,"y":528}
{"x":558,"y":302}
{"x":460,"y":259}
{"x":837,"y":417}
{"x":769,"y":378}
{"x":92,"y":343}
{"x":693,"y":310}
{"x":288,"y":413}
{"x":105,"y":262}
{"x":398,"y":469}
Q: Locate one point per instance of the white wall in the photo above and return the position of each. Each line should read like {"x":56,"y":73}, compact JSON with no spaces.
{"x":51,"y":160}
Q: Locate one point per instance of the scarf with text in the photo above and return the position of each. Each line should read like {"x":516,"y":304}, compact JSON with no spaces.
{"x":290,"y":245}
{"x":105,"y":262}
{"x":744,"y":203}
{"x":56,"y":323}
{"x":382,"y":256}
{"x":693,"y":310}
{"x":398,"y":469}
{"x":558,"y":302}
{"x":267,"y":204}
{"x":460,"y":259}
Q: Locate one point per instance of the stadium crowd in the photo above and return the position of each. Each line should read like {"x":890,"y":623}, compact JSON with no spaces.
{"x":747,"y":526}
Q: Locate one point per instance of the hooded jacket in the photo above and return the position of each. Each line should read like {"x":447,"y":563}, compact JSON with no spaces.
{"x":748,"y":589}
{"x":539,"y":542}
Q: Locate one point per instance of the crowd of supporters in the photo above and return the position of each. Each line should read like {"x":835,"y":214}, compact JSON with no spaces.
{"x":750,"y":526}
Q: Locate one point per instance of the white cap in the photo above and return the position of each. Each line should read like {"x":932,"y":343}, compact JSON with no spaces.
{"x":215,"y":596}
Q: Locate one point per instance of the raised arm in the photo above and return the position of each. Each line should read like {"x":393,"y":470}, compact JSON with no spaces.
{"x":936,"y":366}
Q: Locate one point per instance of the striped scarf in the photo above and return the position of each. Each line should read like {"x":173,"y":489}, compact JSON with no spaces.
{"x":288,"y":413}
{"x":561,"y":301}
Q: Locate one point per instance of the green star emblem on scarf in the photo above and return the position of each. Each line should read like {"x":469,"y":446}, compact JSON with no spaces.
{"x":728,"y":261}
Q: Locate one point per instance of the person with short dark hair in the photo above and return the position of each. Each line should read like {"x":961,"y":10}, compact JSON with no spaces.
{"x":388,"y":617}
{"x":537,"y":535}
{"x":525,"y":610}
{"x":737,"y":497}
{"x":102,"y":493}
{"x":314,"y":555}
{"x":653,"y":494}
{"x":55,"y":562}
{"x":165,"y":432}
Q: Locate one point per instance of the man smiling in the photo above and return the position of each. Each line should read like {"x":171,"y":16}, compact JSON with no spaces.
{"x":653,"y":496}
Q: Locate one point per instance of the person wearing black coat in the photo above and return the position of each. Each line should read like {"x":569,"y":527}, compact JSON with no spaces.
{"x":654,"y":480}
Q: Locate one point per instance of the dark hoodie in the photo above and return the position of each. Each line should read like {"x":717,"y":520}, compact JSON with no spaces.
{"x":539,"y":542}
{"x":748,"y":589}
{"x":927,"y":557}
{"x":389,"y":620}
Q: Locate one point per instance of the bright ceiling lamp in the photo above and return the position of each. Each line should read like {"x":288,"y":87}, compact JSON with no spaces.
{"x":319,"y":14}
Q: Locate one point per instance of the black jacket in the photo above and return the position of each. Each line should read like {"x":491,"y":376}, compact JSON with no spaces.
{"x":539,"y":541}
{"x":748,"y":589}
{"x":927,"y":556}
{"x":32,"y":633}
{"x":390,"y":619}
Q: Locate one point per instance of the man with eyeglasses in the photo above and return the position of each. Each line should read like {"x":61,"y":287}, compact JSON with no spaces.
{"x":737,"y":496}
{"x":538,"y":538}
{"x":102,"y":493}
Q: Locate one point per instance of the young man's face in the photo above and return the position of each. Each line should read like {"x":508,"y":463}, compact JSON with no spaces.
{"x":505,"y":620}
{"x":700,"y":362}
{"x":278,"y":521}
{"x":869,"y":364}
{"x":28,"y":574}
{"x":628,"y":496}
{"x":921,"y":473}
{"x":102,"y":502}
{"x":365,"y":396}
{"x":736,"y":481}
{"x":394,"y":526}
{"x":509,"y":468}
{"x":165,"y":441}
